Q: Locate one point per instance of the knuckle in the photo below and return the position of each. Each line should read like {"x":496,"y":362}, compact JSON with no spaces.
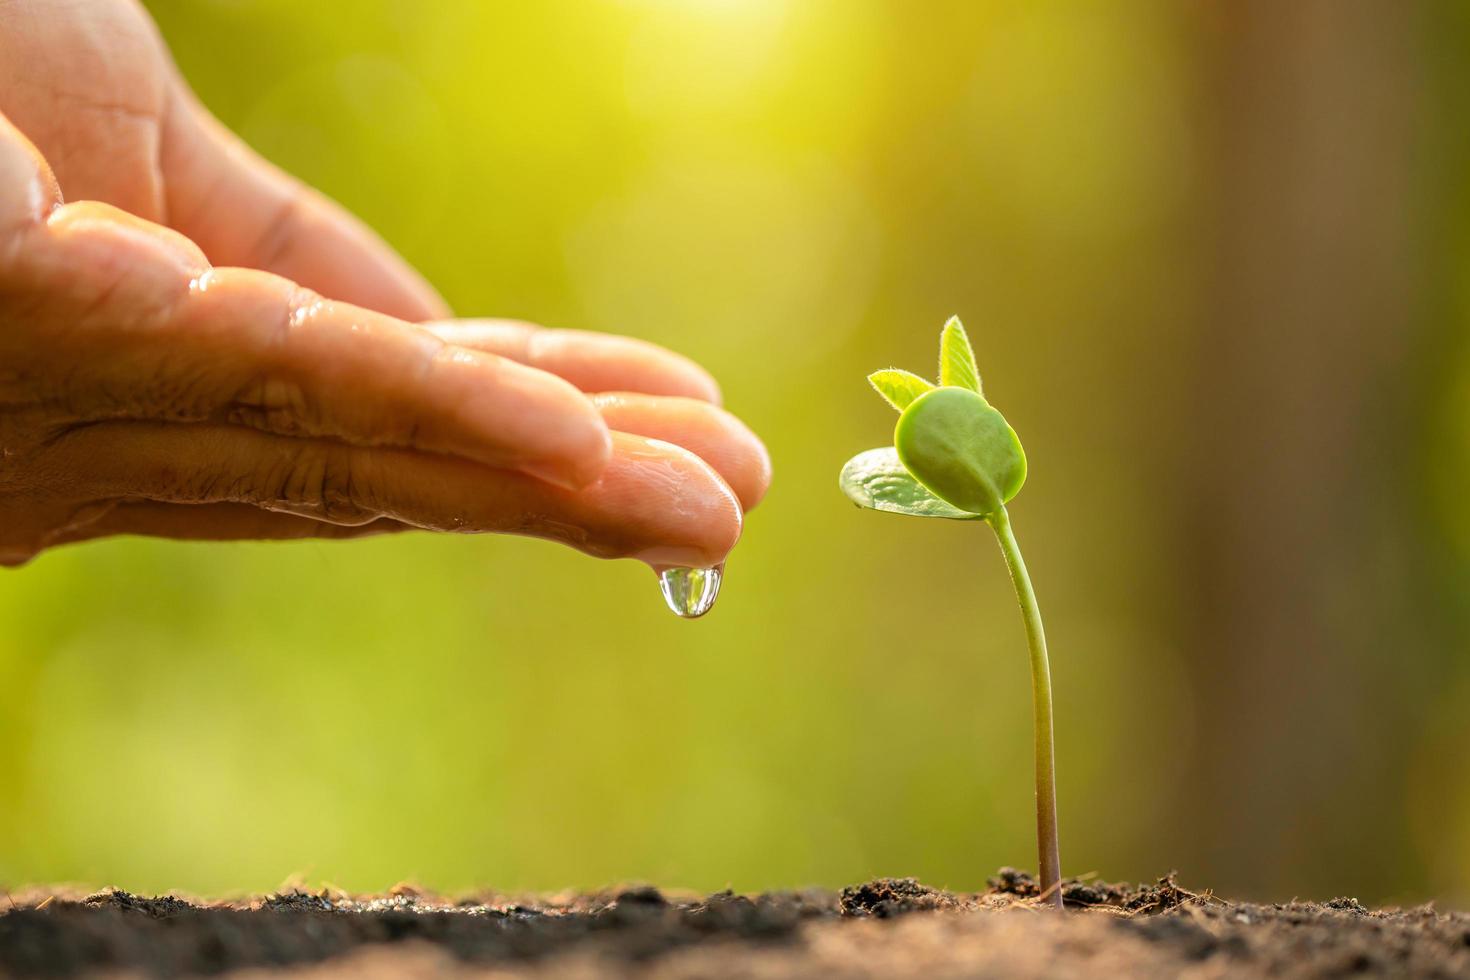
{"x":272,"y":404}
{"x":274,"y":400}
{"x":320,"y":483}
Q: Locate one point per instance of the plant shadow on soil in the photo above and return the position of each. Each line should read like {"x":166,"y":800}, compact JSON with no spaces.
{"x":883,"y":928}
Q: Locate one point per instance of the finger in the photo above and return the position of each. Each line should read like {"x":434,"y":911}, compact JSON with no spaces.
{"x":146,"y":329}
{"x":591,"y":361}
{"x":654,"y":501}
{"x":712,"y":434}
{"x":243,"y":211}
{"x":214,"y":522}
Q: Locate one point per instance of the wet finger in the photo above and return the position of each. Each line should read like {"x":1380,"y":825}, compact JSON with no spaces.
{"x":591,"y":361}
{"x":711,"y":433}
{"x":654,"y":501}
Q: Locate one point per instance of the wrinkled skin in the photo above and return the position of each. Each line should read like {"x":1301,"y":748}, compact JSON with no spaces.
{"x":194,"y":345}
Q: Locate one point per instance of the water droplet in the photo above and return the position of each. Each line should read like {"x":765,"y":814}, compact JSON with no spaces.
{"x":690,"y":592}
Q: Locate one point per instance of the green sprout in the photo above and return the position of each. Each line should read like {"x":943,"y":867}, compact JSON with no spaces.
{"x":954,"y":456}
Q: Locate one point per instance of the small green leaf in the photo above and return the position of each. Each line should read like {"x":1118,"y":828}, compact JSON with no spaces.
{"x":877,"y":480}
{"x":957,"y":358}
{"x":899,"y":388}
{"x":961,"y":449}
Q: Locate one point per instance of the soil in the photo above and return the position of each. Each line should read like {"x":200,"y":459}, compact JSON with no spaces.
{"x":884,"y":928}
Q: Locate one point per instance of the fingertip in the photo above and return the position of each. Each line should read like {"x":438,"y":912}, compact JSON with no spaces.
{"x":577,"y":459}
{"x":690,"y":516}
{"x":704,"y":386}
{"x":568,"y":443}
{"x":760,"y":481}
{"x":752,"y":467}
{"x":719,"y":438}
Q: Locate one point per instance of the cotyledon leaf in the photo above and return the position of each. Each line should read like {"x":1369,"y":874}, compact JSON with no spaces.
{"x":961,"y":449}
{"x":877,"y":480}
{"x":957,"y":359}
{"x":898,"y":387}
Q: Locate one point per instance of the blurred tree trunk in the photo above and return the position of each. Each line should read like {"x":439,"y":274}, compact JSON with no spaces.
{"x":1298,"y":627}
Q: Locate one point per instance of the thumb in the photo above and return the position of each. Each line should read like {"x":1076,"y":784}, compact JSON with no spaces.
{"x":28,"y":189}
{"x":243,"y":211}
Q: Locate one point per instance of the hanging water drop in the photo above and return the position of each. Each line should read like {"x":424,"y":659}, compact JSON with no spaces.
{"x":690,"y":592}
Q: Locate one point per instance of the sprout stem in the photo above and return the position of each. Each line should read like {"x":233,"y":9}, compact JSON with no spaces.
{"x":1046,"y":767}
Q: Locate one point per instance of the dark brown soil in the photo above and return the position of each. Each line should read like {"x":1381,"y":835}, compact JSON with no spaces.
{"x":884,"y":928}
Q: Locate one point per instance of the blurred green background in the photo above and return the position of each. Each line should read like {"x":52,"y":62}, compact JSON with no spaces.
{"x":1216,"y":262}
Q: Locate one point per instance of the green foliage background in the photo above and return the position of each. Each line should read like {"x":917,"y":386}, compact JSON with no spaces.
{"x":795,"y":194}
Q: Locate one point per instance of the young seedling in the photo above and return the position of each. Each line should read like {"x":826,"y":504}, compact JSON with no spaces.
{"x":953,"y":456}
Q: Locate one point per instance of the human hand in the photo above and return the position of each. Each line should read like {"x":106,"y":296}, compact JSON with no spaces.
{"x":143,"y":390}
